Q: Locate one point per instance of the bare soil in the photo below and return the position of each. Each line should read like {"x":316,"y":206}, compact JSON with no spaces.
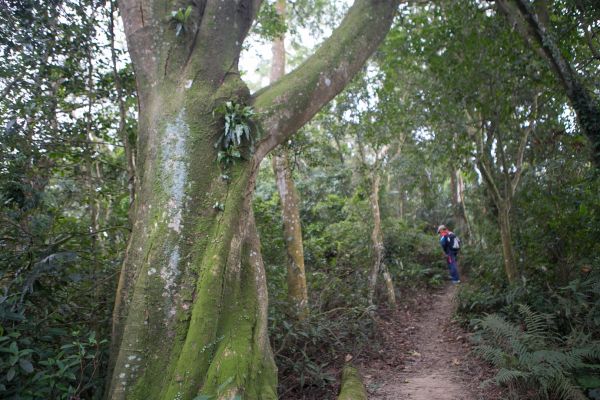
{"x":426,"y":355}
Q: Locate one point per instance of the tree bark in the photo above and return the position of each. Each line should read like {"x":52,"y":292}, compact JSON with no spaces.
{"x":510,"y":266}
{"x":290,"y":214}
{"x":190,"y":314}
{"x":378,"y":247}
{"x":122,"y":132}
{"x":458,"y":206}
{"x":292,"y":232}
{"x":352,"y":387}
{"x":389,"y":286}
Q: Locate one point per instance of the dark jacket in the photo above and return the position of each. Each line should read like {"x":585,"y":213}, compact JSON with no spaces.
{"x":446,"y":244}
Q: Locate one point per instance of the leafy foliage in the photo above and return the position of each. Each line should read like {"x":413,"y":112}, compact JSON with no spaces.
{"x":179,"y":18}
{"x":534,"y":359}
{"x":238,"y":128}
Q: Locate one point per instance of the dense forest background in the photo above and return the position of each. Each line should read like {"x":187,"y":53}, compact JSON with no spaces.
{"x":468,"y":115}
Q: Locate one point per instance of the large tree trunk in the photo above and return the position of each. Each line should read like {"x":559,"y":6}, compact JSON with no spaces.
{"x":290,"y":214}
{"x":190,"y":315}
{"x":510,"y":266}
{"x":191,"y":306}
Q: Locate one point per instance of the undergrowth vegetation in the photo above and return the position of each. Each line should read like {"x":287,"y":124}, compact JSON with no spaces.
{"x":543,"y":332}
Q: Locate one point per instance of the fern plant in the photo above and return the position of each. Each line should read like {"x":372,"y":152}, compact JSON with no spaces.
{"x":238,"y":127}
{"x":531,"y":358}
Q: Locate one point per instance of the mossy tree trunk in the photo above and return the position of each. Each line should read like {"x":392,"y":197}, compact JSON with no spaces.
{"x":292,"y":232}
{"x":190,"y":315}
{"x":290,"y":212}
{"x":352,"y":387}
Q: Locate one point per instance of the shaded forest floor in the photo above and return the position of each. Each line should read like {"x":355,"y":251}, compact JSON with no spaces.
{"x":426,"y":354}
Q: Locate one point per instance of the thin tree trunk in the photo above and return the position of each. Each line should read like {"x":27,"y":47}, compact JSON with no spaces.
{"x":378,"y":247}
{"x":290,"y":214}
{"x":458,"y":206}
{"x":389,"y":285}
{"x":508,"y":253}
{"x":122,"y":132}
{"x":292,"y":231}
{"x":463,"y":207}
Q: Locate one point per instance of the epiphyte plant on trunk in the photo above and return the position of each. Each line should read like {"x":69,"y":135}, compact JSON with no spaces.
{"x":190,"y":316}
{"x":179,"y":18}
{"x":238,"y":127}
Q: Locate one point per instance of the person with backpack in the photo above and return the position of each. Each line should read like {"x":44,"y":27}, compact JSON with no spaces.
{"x":451,"y":245}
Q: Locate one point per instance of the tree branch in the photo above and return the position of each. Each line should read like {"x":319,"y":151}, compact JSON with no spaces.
{"x":586,"y":29}
{"x":293,"y":100}
{"x":519,"y":25}
{"x":140,"y":26}
{"x":485,"y":171}
{"x":523,"y":145}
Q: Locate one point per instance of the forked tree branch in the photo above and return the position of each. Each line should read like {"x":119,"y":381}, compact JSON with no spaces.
{"x":294,"y":99}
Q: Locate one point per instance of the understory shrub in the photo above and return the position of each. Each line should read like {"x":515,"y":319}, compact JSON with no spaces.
{"x":536,"y":362}
{"x":310,"y":352}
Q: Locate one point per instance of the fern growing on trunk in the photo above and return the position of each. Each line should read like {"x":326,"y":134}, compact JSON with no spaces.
{"x":532,"y":358}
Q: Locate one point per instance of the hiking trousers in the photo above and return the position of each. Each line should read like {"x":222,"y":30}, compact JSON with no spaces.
{"x":453,"y":267}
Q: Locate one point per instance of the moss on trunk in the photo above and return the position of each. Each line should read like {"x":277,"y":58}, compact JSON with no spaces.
{"x":352,"y":387}
{"x":192,"y":314}
{"x":292,"y":233}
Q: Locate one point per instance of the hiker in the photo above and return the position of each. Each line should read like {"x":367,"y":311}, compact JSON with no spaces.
{"x":451,"y":245}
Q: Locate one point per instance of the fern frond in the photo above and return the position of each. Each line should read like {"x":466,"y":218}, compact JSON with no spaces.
{"x":492,"y":354}
{"x":557,"y":360}
{"x":565,"y":390}
{"x":499,"y":328}
{"x":535,"y":323}
{"x":507,"y":376}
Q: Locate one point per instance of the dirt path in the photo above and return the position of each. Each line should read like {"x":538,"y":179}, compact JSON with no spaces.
{"x":428,"y":357}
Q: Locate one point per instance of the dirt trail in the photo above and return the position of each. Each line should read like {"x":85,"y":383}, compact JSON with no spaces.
{"x":435,"y":361}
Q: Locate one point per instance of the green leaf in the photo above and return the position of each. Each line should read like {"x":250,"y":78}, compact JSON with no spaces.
{"x":14,"y":348}
{"x":10,"y":374}
{"x":26,"y":365}
{"x":588,"y":381}
{"x":188,"y":11}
